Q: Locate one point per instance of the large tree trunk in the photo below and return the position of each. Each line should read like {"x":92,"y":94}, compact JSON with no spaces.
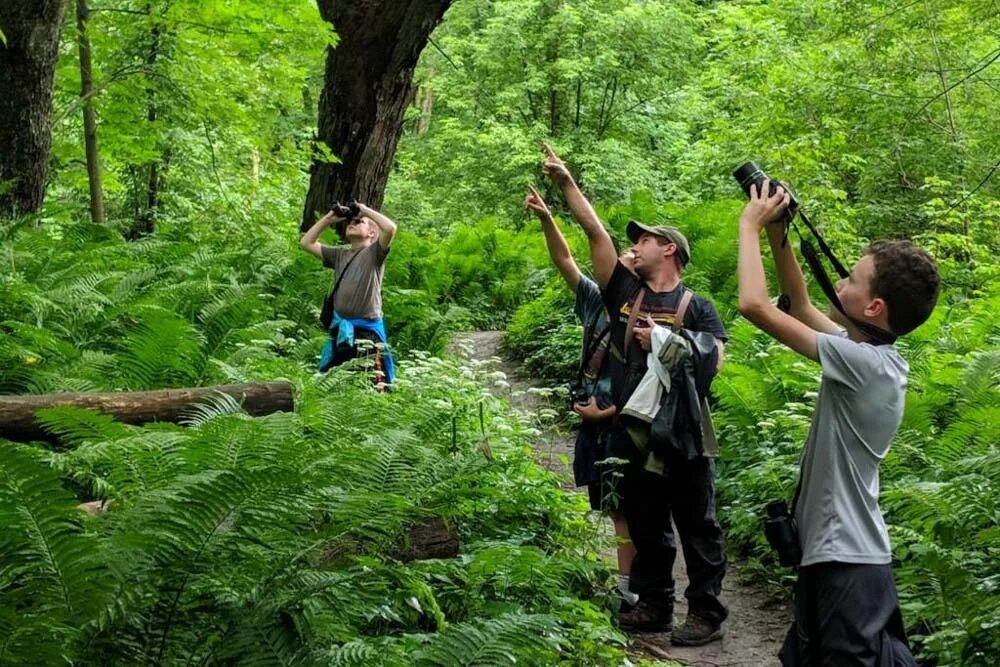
{"x":27,"y":67}
{"x":17,"y":413}
{"x":89,"y":115}
{"x":369,"y":76}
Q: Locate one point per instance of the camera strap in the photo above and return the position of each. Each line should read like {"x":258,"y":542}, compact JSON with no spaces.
{"x":593,"y":344}
{"x":878,"y":335}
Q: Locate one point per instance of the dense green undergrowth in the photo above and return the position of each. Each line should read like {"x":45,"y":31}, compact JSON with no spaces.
{"x":273,"y":540}
{"x":276,"y":540}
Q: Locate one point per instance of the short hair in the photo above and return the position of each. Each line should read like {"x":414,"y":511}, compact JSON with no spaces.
{"x":906,"y":278}
{"x":678,"y":254}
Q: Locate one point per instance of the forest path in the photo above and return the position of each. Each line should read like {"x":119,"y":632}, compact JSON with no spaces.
{"x":756,"y":625}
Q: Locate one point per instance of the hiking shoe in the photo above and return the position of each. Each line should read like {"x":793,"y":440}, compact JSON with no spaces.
{"x":696,"y":631}
{"x":645,"y":617}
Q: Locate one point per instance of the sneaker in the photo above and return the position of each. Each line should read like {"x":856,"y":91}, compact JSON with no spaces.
{"x":645,"y":617}
{"x":696,"y":631}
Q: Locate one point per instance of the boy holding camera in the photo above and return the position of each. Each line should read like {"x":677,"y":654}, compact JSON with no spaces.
{"x":846,"y":606}
{"x":353,"y":309}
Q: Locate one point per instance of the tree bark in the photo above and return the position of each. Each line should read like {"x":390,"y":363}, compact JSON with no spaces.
{"x":89,"y":115}
{"x":27,"y":68}
{"x":17,"y":413}
{"x":426,"y":110}
{"x":368,"y":82}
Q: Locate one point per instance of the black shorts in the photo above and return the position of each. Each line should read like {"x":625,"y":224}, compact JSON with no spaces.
{"x":846,"y":614}
{"x":594,"y":465}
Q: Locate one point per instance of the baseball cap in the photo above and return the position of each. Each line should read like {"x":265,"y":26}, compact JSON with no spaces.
{"x":635,"y":229}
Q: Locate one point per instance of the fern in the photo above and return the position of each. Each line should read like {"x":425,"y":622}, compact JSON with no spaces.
{"x":47,"y":568}
{"x":499,"y":642}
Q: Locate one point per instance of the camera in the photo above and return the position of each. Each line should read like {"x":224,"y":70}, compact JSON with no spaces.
{"x":782,"y":533}
{"x":749,"y":174}
{"x":577,"y":394}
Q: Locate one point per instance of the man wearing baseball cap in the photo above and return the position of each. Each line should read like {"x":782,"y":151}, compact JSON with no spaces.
{"x":655,"y":296}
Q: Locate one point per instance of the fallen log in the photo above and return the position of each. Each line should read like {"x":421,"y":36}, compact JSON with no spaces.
{"x":17,"y":413}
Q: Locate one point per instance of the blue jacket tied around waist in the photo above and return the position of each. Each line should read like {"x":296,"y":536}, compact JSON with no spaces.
{"x":345,"y":328}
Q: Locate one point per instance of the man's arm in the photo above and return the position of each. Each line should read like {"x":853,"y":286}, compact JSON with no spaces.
{"x":559,"y":251}
{"x":387,"y":228}
{"x":602,"y":249}
{"x":310,"y":240}
{"x":793,"y":284}
{"x":754,"y":302}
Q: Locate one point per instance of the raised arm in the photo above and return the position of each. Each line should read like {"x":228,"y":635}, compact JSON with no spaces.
{"x":310,"y":240}
{"x":602,"y":249}
{"x":793,"y":284}
{"x":387,"y":228}
{"x":754,"y":301}
{"x":559,"y":251}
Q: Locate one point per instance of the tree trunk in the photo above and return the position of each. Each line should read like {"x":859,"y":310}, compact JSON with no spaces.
{"x":89,"y":115}
{"x":27,"y":67}
{"x":17,"y":413}
{"x":368,"y":81}
{"x":148,"y":197}
{"x":426,"y":110}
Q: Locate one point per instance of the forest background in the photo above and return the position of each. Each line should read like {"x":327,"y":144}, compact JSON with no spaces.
{"x":883,"y":117}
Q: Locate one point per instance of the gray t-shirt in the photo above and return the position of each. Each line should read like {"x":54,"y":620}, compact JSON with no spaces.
{"x":360,"y":292}
{"x":858,"y":411}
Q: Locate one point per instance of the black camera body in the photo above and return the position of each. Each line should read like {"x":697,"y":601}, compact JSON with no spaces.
{"x":782,"y":533}
{"x":577,"y":394}
{"x":749,"y":174}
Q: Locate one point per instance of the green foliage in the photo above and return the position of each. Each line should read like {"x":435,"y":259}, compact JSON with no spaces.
{"x":277,"y":539}
{"x":940,"y":479}
{"x":241,"y":540}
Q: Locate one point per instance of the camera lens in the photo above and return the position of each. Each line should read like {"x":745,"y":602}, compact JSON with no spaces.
{"x":748,"y":174}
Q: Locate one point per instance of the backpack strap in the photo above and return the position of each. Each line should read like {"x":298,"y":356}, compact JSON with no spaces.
{"x":682,"y":309}
{"x":632,"y":317}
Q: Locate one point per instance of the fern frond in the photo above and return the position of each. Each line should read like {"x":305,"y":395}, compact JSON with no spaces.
{"x":503,"y":641}
{"x":161,"y":351}
{"x":75,"y":425}
{"x":210,"y":407}
{"x":46,"y":557}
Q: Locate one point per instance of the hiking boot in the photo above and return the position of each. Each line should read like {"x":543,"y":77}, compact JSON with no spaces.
{"x":696,"y":631}
{"x":644,"y":617}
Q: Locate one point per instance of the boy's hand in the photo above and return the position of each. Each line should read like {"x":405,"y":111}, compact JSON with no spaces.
{"x":762,"y":209}
{"x":555,"y":168}
{"x":534,"y":202}
{"x":589,"y":410}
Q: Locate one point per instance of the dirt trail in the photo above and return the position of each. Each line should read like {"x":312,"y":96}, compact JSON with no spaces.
{"x":756,"y":624}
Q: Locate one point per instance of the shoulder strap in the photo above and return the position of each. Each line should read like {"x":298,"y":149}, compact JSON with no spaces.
{"x":326,"y":316}
{"x":632,"y":317}
{"x":343,"y":271}
{"x":594,"y":342}
{"x":682,"y":309}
